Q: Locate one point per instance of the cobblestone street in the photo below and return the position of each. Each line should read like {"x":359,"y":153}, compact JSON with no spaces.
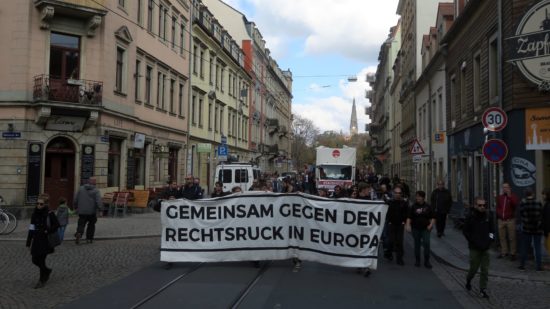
{"x":77,"y":270}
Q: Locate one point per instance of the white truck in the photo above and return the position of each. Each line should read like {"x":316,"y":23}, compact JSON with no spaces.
{"x":335,"y":166}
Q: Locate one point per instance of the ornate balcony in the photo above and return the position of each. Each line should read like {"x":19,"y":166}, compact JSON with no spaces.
{"x":78,"y":91}
{"x":92,"y":11}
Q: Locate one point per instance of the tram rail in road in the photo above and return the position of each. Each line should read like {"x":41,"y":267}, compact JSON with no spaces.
{"x":149,"y":300}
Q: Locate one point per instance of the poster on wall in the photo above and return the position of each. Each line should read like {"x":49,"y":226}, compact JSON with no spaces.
{"x":87,"y":163}
{"x":537,"y":128}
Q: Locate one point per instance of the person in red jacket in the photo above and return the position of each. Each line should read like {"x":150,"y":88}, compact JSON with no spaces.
{"x":507,"y":203}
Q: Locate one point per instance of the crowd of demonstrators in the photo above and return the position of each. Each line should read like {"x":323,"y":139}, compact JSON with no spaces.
{"x":43,"y":222}
{"x":87,"y":203}
{"x":478,"y":230}
{"x":441,"y":201}
{"x":507,"y":204}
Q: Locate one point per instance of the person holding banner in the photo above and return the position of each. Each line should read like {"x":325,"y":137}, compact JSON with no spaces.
{"x":420,"y":220}
{"x":218,"y":190}
{"x":395,"y":225}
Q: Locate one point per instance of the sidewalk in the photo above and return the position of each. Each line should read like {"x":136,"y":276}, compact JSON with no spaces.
{"x":134,"y":225}
{"x":452,"y":249}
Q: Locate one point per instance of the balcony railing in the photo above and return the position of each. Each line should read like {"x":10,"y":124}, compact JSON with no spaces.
{"x":80,"y":91}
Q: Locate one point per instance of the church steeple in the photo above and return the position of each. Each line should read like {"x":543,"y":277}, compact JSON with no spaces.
{"x":353,"y":122}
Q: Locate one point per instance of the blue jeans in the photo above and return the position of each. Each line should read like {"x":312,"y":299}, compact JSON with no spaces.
{"x":526,"y":240}
{"x":421,"y":238}
{"x":61,"y":231}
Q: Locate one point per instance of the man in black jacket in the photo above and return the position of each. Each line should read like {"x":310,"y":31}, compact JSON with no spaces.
{"x":420,"y":221}
{"x":441,"y":201}
{"x":395,"y":222}
{"x":478,"y":230}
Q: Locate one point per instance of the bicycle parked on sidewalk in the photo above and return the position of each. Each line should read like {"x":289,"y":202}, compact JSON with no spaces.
{"x":8,"y":222}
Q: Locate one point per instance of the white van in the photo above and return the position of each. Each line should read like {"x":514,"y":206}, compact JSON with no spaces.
{"x":236,"y":174}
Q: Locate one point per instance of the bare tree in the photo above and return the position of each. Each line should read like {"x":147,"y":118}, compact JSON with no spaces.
{"x":304,"y":134}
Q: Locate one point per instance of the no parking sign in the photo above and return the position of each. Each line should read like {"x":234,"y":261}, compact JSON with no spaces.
{"x":495,"y":150}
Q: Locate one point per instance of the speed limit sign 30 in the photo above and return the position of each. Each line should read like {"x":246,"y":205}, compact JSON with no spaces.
{"x":494,"y":119}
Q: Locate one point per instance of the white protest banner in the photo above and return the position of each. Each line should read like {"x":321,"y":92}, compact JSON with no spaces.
{"x":273,"y":226}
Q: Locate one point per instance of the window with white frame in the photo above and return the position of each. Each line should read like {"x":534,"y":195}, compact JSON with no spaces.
{"x":172,"y":94}
{"x":493,"y":69}
{"x":137,"y":81}
{"x":180,"y":99}
{"x":139,"y":12}
{"x":150,"y":14}
{"x":148,"y":85}
{"x":161,"y":87}
{"x":200,"y":110}
{"x":463,"y":101}
{"x":201,"y":60}
{"x":452,"y":105}
{"x":173,"y":33}
{"x":194,"y":110}
{"x":120,"y":79}
{"x":210,"y":107}
{"x":477,"y":81}
{"x":183,"y":23}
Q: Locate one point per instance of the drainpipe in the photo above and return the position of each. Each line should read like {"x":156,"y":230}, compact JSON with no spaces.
{"x":190,"y":96}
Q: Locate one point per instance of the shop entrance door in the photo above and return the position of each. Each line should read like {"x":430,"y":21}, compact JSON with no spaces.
{"x":59,"y":171}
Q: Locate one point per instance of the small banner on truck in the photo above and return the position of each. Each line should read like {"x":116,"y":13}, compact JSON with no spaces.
{"x":272,"y":226}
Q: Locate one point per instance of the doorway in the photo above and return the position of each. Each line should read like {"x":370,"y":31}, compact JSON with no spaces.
{"x":59,"y":171}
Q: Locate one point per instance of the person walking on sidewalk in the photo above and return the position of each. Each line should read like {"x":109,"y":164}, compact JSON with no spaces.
{"x":395,"y":222}
{"x":478,"y":230}
{"x":507,"y":203}
{"x":43,"y":222}
{"x":420,"y":221}
{"x":531,"y":227}
{"x":87,"y":202}
{"x":441,"y":201}
{"x":62,"y":217}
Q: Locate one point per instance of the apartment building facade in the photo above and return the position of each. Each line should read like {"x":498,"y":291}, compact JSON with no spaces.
{"x":493,"y":71}
{"x":431,"y":111}
{"x":382,"y":104}
{"x":92,"y":88}
{"x":271,"y":91}
{"x":220,"y":96}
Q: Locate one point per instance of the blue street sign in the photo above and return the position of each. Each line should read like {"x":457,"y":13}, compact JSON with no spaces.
{"x":11,"y":134}
{"x":222,"y":152}
{"x":495,"y":150}
{"x":224,"y":139}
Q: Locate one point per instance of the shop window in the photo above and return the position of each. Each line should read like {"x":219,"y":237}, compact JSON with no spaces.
{"x":113,"y":164}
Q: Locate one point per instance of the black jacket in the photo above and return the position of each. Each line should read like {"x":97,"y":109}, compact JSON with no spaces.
{"x":37,"y":237}
{"x":421,"y":215}
{"x":397,"y":212}
{"x":441,"y":200}
{"x":478,"y":230}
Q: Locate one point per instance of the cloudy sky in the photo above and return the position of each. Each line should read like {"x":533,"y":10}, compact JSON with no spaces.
{"x":323,"y":42}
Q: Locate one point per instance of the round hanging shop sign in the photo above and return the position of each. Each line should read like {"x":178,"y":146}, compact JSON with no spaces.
{"x":530,"y":46}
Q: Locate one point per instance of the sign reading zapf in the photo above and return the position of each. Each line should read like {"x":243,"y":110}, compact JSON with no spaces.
{"x":530,"y":46}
